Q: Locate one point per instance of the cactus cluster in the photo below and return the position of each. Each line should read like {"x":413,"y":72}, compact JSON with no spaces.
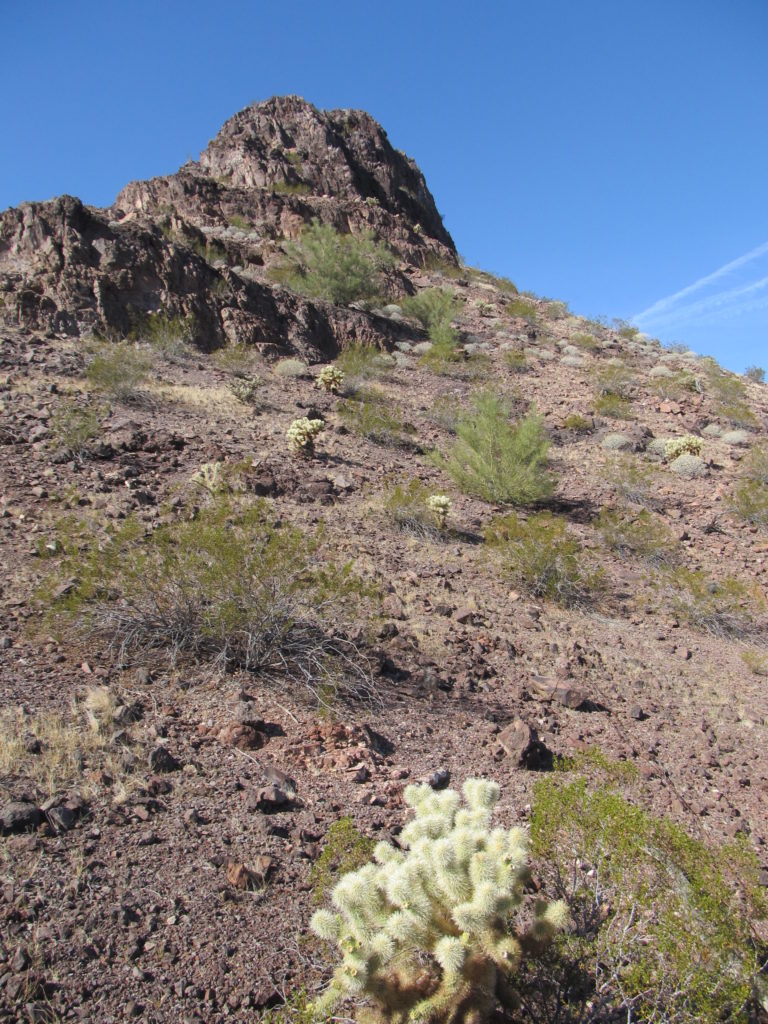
{"x":427,"y":932}
{"x":330,"y":379}
{"x":301,"y":435}
{"x":439,"y":505}
{"x":688,"y":444}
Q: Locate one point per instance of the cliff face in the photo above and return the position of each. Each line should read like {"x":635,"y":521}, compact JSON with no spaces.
{"x":200,"y":242}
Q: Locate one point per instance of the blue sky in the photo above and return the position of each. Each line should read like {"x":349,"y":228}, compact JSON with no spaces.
{"x":614,"y":155}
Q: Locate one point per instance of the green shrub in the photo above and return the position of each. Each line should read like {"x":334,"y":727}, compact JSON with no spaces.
{"x":75,"y":425}
{"x":755,"y":373}
{"x":750,"y":498}
{"x":613,"y":406}
{"x":539,"y":556}
{"x":523,"y":308}
{"x":239,"y":360}
{"x":640,"y":535}
{"x":171,"y":337}
{"x":496,"y":460}
{"x":431,"y":307}
{"x":586,"y":341}
{"x":374,"y":415}
{"x":346,"y":849}
{"x":725,"y":607}
{"x":227,"y":587}
{"x":663,"y":927}
{"x":426,"y":931}
{"x":290,"y":188}
{"x":339,"y":268}
{"x":117,"y":369}
{"x":444,"y":351}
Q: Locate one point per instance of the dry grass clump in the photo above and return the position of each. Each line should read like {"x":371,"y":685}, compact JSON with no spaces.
{"x":756,"y":661}
{"x":374,"y":415}
{"x":416,"y":509}
{"x":750,"y":497}
{"x":614,"y":385}
{"x":290,"y":368}
{"x":638,"y":535}
{"x":55,"y":750}
{"x":727,"y":607}
{"x":75,"y":427}
{"x":118,"y":369}
{"x":634,"y":482}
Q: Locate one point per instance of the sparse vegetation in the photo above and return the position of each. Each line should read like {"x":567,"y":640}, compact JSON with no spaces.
{"x":247,"y":390}
{"x":724,"y":607}
{"x":360,"y":363}
{"x":755,"y":374}
{"x":578,"y":424}
{"x":373,"y":414}
{"x":431,"y":307}
{"x":75,"y":426}
{"x":118,"y":369}
{"x":330,"y":379}
{"x":756,"y":661}
{"x":496,"y":460}
{"x":729,"y":393}
{"x":750,"y":498}
{"x":523,"y":308}
{"x":663,"y":927}
{"x":640,"y":535}
{"x":540,"y":556}
{"x":228,"y":588}
{"x":291,"y":368}
{"x":614,"y":388}
{"x":633,"y":481}
{"x":688,"y":444}
{"x":516,"y":360}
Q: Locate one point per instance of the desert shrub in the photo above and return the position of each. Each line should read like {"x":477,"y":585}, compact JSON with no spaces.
{"x":750,"y":497}
{"x":640,"y":535}
{"x":523,"y":308}
{"x":496,"y":460}
{"x":444,"y":349}
{"x":755,"y":373}
{"x":171,"y":337}
{"x":408,"y":507}
{"x":663,"y":928}
{"x":667,"y":383}
{"x":75,"y":425}
{"x":688,"y":444}
{"x":616,"y":443}
{"x":374,"y":415}
{"x":516,"y":360}
{"x":426,"y":931}
{"x":614,"y":406}
{"x":585,"y":341}
{"x":239,"y":360}
{"x":540,"y":556}
{"x":614,"y":387}
{"x":346,"y":849}
{"x":578,"y":424}
{"x":301,"y":436}
{"x":445,"y":411}
{"x":361,"y":363}
{"x":756,"y":661}
{"x":290,"y":368}
{"x":726,"y":607}
{"x":290,"y":188}
{"x":338,"y":268}
{"x":729,"y":394}
{"x":229,"y":588}
{"x":330,"y":379}
{"x":625,"y":329}
{"x":633,"y":481}
{"x":556,"y":309}
{"x":117,"y":369}
{"x":431,"y":307}
{"x":689,"y":466}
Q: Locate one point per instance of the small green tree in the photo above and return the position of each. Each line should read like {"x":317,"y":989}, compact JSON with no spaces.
{"x":427,"y":932}
{"x":339,"y":268}
{"x":499,"y":461}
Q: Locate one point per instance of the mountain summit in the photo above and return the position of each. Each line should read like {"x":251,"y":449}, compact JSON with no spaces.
{"x":201,"y":241}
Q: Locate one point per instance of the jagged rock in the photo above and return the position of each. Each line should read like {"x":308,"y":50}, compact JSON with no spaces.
{"x":19,"y":816}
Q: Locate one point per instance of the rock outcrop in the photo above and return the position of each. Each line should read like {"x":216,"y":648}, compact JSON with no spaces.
{"x":199,"y":243}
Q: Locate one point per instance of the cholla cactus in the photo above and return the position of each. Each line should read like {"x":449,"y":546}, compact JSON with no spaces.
{"x":209,"y":477}
{"x":439,"y":505}
{"x":688,"y":444}
{"x":450,"y":894}
{"x":301,"y":435}
{"x":330,"y":379}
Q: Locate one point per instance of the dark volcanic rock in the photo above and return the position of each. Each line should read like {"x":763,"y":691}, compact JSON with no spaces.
{"x":18,"y":816}
{"x":168,"y":245}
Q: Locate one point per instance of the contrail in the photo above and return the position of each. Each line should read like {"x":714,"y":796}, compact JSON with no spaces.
{"x":711,"y":303}
{"x":670,"y":300}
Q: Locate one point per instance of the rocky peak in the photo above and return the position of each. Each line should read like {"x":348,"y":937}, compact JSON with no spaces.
{"x":200,"y":242}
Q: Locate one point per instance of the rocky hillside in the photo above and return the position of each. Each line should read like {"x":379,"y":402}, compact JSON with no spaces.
{"x":222,"y":659}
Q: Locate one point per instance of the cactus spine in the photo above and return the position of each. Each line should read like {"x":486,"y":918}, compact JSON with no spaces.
{"x":452,"y":894}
